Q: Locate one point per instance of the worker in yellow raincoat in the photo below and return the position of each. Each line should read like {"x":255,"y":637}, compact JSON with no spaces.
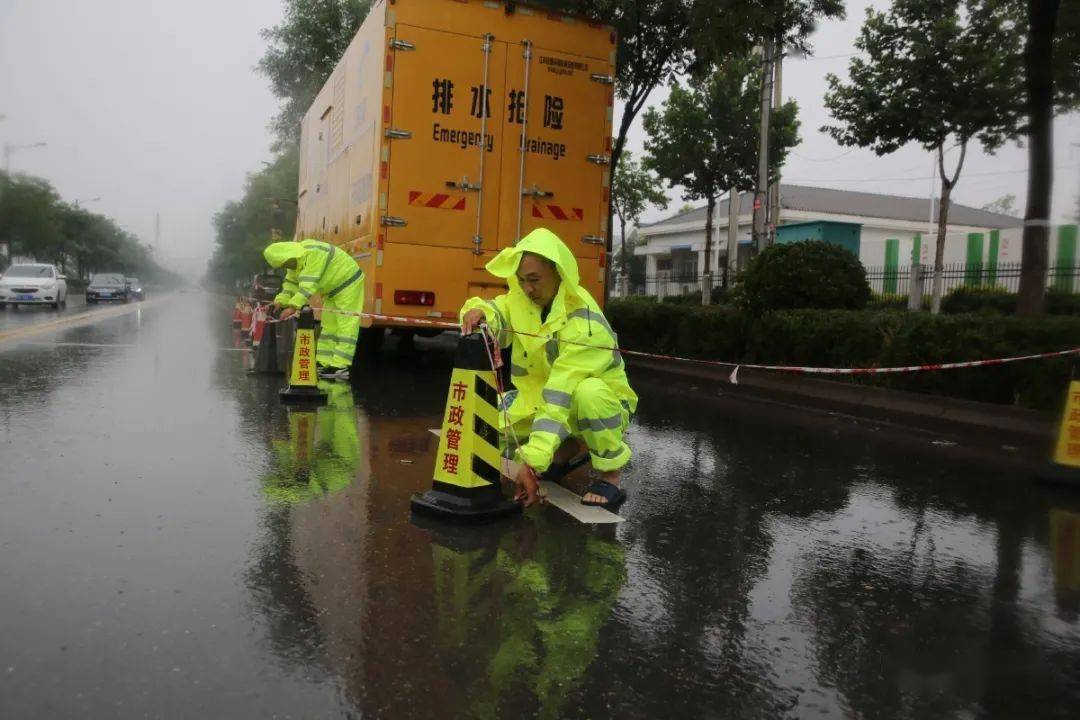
{"x":571,"y":389}
{"x":315,"y":267}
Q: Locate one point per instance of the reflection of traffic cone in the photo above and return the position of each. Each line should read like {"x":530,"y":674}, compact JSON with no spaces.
{"x":303,"y":380}
{"x":266,"y":350}
{"x":236,"y":313}
{"x":467,"y":484}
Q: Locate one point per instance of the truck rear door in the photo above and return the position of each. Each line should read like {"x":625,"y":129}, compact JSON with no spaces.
{"x":444,"y":135}
{"x":555,"y":163}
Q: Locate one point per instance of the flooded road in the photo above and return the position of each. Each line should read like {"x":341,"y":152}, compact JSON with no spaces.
{"x":174,"y":543}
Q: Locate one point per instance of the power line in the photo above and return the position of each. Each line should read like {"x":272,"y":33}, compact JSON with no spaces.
{"x":924,"y":177}
{"x":825,"y":57}
{"x":810,"y":159}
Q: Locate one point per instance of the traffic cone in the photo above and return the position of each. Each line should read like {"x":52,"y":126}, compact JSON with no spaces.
{"x":258,"y":323}
{"x":467,"y":486}
{"x":1065,"y":465}
{"x":245,"y":318}
{"x":236,"y":313}
{"x":303,"y":379}
{"x":266,"y":350}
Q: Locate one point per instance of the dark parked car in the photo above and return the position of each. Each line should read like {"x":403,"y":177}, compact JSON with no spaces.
{"x":265,"y":287}
{"x":107,"y":287}
{"x":135,"y":288}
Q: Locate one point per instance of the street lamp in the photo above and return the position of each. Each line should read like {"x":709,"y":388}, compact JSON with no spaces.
{"x":86,"y":200}
{"x":10,"y":150}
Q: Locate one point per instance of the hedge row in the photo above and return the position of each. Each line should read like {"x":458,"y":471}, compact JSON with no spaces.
{"x":982,"y":300}
{"x":867,"y":338}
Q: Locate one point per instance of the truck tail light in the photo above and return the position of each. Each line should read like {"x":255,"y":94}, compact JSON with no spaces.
{"x":414,"y":297}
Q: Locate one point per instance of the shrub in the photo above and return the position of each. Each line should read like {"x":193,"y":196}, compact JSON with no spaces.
{"x":982,"y":300}
{"x":804,"y":275}
{"x":1001,"y":302}
{"x":867,"y":338}
{"x":887,"y":302}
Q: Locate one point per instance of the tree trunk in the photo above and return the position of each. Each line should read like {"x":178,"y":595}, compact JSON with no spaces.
{"x":1039,"y":85}
{"x":939,"y":249}
{"x":624,"y":268}
{"x":706,"y":273}
{"x":947,"y":185}
{"x":622,"y":237}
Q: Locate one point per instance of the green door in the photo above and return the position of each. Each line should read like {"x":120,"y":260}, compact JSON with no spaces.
{"x":892,"y":259}
{"x":1065,"y":265}
{"x":973,"y":264}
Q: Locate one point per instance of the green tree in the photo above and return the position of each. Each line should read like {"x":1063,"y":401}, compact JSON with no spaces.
{"x":704,"y":137}
{"x":29,"y":220}
{"x":935,"y":73}
{"x":1005,"y":205}
{"x":301,"y":53}
{"x":36,"y":223}
{"x":633,"y":188}
{"x":244,"y":227}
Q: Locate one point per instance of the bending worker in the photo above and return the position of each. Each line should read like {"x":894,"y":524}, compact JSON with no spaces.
{"x":566,"y":392}
{"x":318,"y":268}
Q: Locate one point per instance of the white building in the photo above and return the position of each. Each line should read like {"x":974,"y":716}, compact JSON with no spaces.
{"x":890,"y":228}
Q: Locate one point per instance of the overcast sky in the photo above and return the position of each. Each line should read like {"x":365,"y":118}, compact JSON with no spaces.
{"x":154,"y":106}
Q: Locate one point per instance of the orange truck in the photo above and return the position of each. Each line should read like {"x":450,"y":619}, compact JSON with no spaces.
{"x":449,"y":130}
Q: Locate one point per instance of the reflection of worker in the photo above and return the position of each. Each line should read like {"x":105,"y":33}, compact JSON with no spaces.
{"x":568,"y":390}
{"x":322,"y":453}
{"x":554,"y":592}
{"x":314,"y":267}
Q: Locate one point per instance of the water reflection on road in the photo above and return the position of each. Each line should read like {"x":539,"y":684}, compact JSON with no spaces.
{"x":172,"y":537}
{"x":765,"y":570}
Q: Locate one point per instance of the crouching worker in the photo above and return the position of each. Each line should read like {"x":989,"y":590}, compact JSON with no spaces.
{"x":314,"y":267}
{"x":566,"y":394}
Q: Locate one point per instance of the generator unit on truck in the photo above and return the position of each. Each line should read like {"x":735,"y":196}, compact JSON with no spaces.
{"x":449,"y":130}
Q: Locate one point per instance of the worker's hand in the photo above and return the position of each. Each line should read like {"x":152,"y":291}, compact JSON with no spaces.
{"x":287,"y":313}
{"x":275,"y":308}
{"x":471,"y":320}
{"x":527,"y":486}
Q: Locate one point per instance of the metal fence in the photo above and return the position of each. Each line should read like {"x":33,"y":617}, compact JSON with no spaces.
{"x":883,"y":280}
{"x":1005,"y":276}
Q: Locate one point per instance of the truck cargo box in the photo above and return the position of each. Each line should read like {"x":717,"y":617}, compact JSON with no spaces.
{"x":450,"y":129}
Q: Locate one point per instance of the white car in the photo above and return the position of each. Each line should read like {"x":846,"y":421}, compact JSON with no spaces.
{"x":33,"y":284}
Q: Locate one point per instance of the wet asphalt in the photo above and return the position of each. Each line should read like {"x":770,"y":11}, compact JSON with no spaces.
{"x":174,"y":543}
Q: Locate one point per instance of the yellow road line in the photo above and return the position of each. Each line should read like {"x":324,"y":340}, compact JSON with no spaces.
{"x":81,"y":319}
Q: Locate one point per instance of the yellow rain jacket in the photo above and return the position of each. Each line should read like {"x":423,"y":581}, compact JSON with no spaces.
{"x":330,"y":272}
{"x":547,"y":373}
{"x":322,"y":269}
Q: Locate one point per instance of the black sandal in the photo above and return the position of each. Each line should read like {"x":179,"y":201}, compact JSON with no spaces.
{"x":613,"y":495}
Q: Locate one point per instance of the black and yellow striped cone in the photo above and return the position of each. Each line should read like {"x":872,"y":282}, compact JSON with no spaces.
{"x":303,"y":384}
{"x":467,"y":485}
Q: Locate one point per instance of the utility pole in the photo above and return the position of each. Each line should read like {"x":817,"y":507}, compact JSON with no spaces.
{"x":762,"y":186}
{"x":774,"y":187}
{"x":10,"y":150}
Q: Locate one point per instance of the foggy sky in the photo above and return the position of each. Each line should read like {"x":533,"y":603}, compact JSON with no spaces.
{"x":155,"y":107}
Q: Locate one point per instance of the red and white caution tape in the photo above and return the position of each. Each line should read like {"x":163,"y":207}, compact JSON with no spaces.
{"x":798,"y":369}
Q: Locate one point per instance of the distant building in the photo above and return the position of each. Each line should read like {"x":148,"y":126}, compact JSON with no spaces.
{"x":883,"y":230}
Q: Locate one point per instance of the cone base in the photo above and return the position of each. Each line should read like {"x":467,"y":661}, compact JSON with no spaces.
{"x":302,"y":396}
{"x":461,"y":505}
